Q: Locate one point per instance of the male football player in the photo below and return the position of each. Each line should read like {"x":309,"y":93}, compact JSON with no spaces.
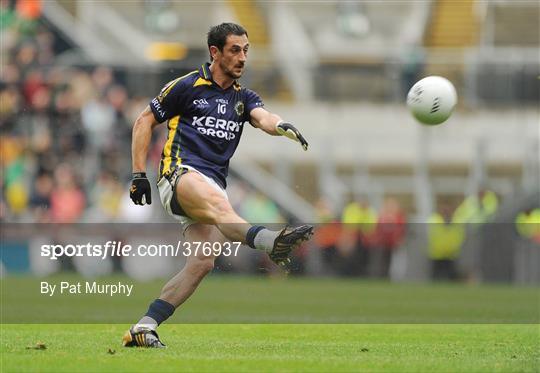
{"x":206,"y":111}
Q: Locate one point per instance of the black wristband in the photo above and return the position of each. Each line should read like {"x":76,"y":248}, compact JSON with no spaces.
{"x":139,"y":175}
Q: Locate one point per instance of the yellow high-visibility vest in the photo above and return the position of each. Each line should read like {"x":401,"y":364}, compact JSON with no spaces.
{"x":473,"y":210}
{"x":444,"y":239}
{"x":528,"y":225}
{"x":362,"y":218}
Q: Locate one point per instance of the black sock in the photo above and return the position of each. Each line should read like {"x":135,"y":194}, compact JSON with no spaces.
{"x":160,"y":310}
{"x":251,"y":233}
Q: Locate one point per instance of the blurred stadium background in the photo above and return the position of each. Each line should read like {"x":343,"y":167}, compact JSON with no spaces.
{"x":75,"y":74}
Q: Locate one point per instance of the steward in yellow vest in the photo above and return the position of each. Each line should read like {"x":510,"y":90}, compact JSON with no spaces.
{"x":477,"y":209}
{"x":445,"y":239}
{"x":528,"y":225}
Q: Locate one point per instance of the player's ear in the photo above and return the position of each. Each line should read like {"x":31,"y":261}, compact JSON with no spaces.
{"x":214,"y":51}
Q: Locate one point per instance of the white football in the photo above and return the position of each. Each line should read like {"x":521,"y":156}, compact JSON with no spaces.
{"x":432,"y":100}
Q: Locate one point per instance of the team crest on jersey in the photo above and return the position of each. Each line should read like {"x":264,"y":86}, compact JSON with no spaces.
{"x":239,"y":108}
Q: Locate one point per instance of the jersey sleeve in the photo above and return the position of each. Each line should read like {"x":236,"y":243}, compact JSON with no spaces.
{"x":252,"y":101}
{"x":166,"y":105}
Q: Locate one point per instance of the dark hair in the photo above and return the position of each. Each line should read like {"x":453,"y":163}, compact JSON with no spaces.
{"x":217,"y":36}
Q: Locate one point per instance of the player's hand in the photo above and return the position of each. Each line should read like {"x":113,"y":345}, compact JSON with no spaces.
{"x":287,"y":129}
{"x":140,"y":191}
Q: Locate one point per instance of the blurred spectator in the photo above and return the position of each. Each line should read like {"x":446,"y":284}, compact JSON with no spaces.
{"x":26,"y":58}
{"x":327,"y":233}
{"x":67,"y":199}
{"x":10,"y":74}
{"x":102,"y":77}
{"x":474,"y":212}
{"x":389,"y":235}
{"x":7,"y":14}
{"x":14,"y":164}
{"x":41,"y":194}
{"x":28,"y":9}
{"x":363,"y":217}
{"x":355,"y":240}
{"x":11,"y":153}
{"x":105,"y":197}
{"x":40,"y":199}
{"x":16,"y":197}
{"x":98,"y":118}
{"x":117,"y":97}
{"x":528,"y":225}
{"x":45,"y":47}
{"x":477,"y":209}
{"x":82,"y":88}
{"x":445,"y":239}
{"x":34,"y":81}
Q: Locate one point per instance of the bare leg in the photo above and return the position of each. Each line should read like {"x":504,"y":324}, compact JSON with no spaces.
{"x":176,"y":291}
{"x":180,"y":287}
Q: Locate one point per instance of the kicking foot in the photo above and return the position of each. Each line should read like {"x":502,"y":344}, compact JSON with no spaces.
{"x":288,"y":240}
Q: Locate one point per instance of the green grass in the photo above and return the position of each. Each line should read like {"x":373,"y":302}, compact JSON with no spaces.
{"x":230,"y":299}
{"x":307,"y":347}
{"x":276,"y":324}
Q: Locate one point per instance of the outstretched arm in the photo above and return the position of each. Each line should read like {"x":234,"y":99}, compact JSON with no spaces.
{"x":140,"y":191}
{"x":265,"y":120}
{"x":275,"y":126}
{"x":141,"y":136}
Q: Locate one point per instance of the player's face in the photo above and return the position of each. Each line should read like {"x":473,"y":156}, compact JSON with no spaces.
{"x":233,"y":58}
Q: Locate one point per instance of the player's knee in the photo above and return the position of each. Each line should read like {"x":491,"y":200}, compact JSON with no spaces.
{"x":202,"y":266}
{"x":198,"y":232}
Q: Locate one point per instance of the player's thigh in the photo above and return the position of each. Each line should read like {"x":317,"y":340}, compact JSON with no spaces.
{"x":200,"y":200}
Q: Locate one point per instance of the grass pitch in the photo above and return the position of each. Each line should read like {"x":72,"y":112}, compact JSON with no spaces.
{"x":258,"y":324}
{"x":248,"y":348}
{"x":261,"y":300}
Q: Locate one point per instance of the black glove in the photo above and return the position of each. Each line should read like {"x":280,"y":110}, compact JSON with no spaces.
{"x":140,"y":191}
{"x":287,"y":129}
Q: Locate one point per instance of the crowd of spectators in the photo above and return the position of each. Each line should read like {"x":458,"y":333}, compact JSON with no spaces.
{"x":65,"y":138}
{"x":362,"y":240}
{"x":64,"y":133}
